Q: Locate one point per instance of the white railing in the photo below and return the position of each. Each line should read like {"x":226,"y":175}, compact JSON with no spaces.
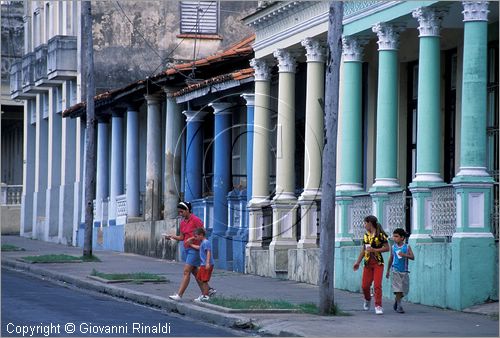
{"x":443,"y":211}
{"x":395,"y":212}
{"x":121,"y":205}
{"x":10,"y":194}
{"x":359,"y":209}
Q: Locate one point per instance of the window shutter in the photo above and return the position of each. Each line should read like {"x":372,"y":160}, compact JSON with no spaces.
{"x":199,"y":17}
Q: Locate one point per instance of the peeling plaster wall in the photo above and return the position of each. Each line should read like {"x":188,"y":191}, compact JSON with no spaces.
{"x":133,"y":40}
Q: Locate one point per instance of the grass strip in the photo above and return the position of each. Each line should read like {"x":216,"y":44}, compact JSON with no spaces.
{"x":10,"y":247}
{"x":135,"y":276}
{"x":261,"y":304}
{"x":60,"y":258}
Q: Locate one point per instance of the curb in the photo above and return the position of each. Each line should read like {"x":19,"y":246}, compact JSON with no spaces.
{"x":190,"y":310}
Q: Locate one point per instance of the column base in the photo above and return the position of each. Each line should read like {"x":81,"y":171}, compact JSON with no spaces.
{"x":343,"y":241}
{"x":308,"y":222}
{"x":349,"y":187}
{"x":476,"y":256}
{"x":386,"y":183}
{"x":52,"y":212}
{"x":428,"y":177}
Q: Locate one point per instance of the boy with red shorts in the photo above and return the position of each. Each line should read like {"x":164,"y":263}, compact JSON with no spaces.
{"x":207,"y":262}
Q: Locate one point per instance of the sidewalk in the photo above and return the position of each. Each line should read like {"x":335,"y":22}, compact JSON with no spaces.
{"x":419,"y":320}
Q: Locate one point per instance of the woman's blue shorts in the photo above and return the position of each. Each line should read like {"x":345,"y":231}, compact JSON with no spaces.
{"x":193,"y":257}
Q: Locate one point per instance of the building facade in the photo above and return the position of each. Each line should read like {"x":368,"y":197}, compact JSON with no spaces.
{"x":418,"y":145}
{"x":417,"y":141}
{"x":130,"y":43}
{"x":11,"y":122}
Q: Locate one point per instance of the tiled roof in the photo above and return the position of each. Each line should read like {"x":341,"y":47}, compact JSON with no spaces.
{"x":240,"y":49}
{"x":236,"y":75}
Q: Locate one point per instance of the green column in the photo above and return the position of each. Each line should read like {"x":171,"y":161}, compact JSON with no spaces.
{"x":387,"y":108}
{"x":351,"y":147}
{"x":429,"y":98}
{"x":428,"y":120}
{"x":473,"y":245}
{"x":474,"y":94}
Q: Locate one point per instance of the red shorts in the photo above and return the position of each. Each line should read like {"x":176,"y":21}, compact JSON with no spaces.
{"x":204,"y":274}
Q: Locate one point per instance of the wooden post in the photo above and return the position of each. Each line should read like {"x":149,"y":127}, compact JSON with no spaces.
{"x":87,"y":54}
{"x":329,"y":162}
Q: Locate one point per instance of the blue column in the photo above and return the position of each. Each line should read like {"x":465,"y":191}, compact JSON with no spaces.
{"x":250,"y":99}
{"x":194,"y":154}
{"x":116,"y":163}
{"x":102,"y":179}
{"x":132,"y":179}
{"x":222,"y":184}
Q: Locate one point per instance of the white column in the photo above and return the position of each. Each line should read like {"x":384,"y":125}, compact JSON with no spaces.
{"x":28,"y":170}
{"x":39,"y":200}
{"x":260,"y":166}
{"x":284,"y":203}
{"x":102,"y":177}
{"x":132,"y":163}
{"x":315,"y":92}
{"x":116,"y":187}
{"x":53,"y":166}
{"x":153,"y":159}
{"x":69,"y":155}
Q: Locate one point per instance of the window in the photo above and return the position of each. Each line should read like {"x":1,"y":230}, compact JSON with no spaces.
{"x":199,"y":17}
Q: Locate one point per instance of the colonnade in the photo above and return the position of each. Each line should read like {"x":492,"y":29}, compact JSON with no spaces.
{"x":350,"y":176}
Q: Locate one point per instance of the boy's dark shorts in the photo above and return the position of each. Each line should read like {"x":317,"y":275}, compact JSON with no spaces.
{"x":204,"y":274}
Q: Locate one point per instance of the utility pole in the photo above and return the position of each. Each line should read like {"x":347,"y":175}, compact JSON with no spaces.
{"x":329,"y":162}
{"x":87,"y":54}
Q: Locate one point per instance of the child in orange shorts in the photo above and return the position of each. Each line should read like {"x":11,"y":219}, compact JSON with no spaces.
{"x":207,"y":262}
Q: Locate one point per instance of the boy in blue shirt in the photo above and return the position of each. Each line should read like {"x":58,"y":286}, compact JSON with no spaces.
{"x":207,"y":262}
{"x":398,"y":263}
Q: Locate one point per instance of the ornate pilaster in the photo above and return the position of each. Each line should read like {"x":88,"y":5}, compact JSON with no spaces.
{"x":316,"y":51}
{"x":286,"y":61}
{"x":262,"y":70}
{"x":475,"y":10}
{"x":429,"y":20}
{"x":352,"y":48}
{"x":388,"y":35}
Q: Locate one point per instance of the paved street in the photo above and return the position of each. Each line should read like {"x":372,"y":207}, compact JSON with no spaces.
{"x":32,"y":303}
{"x":419,"y":320}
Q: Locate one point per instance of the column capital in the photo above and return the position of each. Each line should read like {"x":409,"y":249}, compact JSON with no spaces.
{"x":133,"y":106}
{"x":316,"y":51}
{"x":262,"y":69}
{"x":194,"y":115}
{"x":475,"y":10}
{"x":388,"y":35}
{"x":118,"y":111}
{"x":249,"y":98}
{"x":286,"y":61}
{"x":169,"y":91}
{"x":352,"y":47}
{"x":221,"y":108}
{"x":152,"y":98}
{"x":429,"y":19}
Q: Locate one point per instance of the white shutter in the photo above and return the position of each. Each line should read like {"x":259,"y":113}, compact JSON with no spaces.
{"x":199,"y":17}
